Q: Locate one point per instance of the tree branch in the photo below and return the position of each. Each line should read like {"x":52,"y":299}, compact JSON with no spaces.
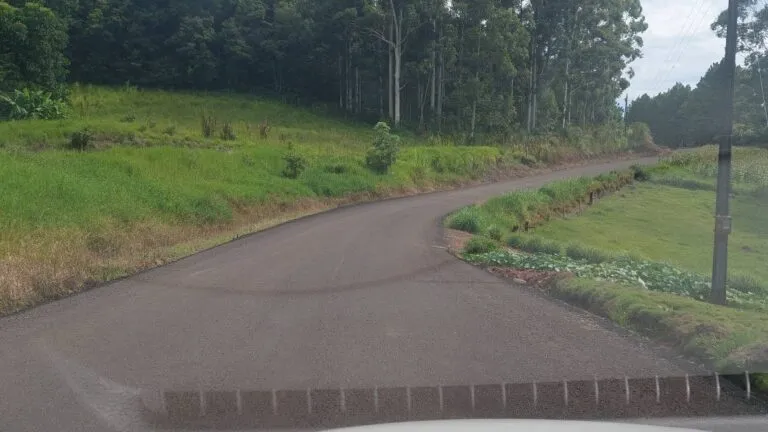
{"x":381,"y":37}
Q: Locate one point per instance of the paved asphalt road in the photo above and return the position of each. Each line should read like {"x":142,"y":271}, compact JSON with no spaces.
{"x":361,"y":296}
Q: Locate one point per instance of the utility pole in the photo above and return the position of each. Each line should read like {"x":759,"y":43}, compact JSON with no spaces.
{"x":723,"y":216}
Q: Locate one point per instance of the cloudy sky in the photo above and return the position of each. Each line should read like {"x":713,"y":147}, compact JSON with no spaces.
{"x":679,"y":45}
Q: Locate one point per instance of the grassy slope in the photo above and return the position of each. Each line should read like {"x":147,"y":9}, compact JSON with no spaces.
{"x":670,"y":224}
{"x":663,"y":223}
{"x":156,"y":189}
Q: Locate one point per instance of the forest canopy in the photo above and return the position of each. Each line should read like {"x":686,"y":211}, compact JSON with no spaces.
{"x":477,"y":66}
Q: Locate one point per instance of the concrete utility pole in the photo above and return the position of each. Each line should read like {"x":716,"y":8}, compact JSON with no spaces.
{"x":723,"y":217}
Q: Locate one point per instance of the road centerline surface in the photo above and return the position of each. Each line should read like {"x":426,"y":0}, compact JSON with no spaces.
{"x":356,"y":297}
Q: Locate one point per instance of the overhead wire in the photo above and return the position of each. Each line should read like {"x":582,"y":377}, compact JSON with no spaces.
{"x":682,"y":45}
{"x":680,"y":53}
{"x":685,"y":29}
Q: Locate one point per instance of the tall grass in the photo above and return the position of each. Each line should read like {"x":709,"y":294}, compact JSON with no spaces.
{"x":151,"y":177}
{"x":522,"y":210}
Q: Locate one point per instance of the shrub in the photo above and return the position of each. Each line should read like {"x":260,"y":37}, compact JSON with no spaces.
{"x":208,"y":123}
{"x":480,"y":245}
{"x":170,"y":130}
{"x":130,"y":118}
{"x":528,"y":160}
{"x":640,"y":137}
{"x":437,"y":165}
{"x":337,"y":168}
{"x":295,"y":164}
{"x":640,"y":173}
{"x":533,"y":245}
{"x":540,"y":246}
{"x":551,"y":248}
{"x":80,"y":140}
{"x":495,"y":232}
{"x":516,"y":241}
{"x":588,"y":254}
{"x":228,"y":132}
{"x":467,"y":219}
{"x":746,"y":284}
{"x":385,"y":148}
{"x":31,"y":104}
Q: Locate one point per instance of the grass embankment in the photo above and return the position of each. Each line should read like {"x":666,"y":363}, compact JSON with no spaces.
{"x":151,"y":187}
{"x":641,"y":256}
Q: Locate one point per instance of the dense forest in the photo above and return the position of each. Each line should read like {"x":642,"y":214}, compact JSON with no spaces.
{"x":684,"y":116}
{"x":477,"y":66}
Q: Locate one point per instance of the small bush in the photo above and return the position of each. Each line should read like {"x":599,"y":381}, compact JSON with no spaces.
{"x":480,"y":245}
{"x":467,"y":219}
{"x":130,"y":118}
{"x":533,"y":245}
{"x":551,"y":248}
{"x":228,"y":132}
{"x":640,"y":173}
{"x":540,"y":246}
{"x":385,"y":148}
{"x":80,"y":140}
{"x":640,"y":138}
{"x":516,"y":241}
{"x":746,"y":284}
{"x":170,"y":130}
{"x":437,"y":165}
{"x":588,"y":254}
{"x":337,"y":168}
{"x":208,"y":124}
{"x":528,"y":160}
{"x":495,"y":233}
{"x":295,"y":164}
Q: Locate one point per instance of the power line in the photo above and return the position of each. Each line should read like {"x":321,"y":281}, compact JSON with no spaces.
{"x":685,"y":29}
{"x":681,"y":45}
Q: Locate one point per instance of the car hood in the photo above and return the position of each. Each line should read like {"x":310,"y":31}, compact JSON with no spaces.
{"x":510,"y":426}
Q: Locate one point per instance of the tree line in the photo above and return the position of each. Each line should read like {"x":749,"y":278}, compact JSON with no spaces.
{"x":479,"y":67}
{"x":686,"y":116}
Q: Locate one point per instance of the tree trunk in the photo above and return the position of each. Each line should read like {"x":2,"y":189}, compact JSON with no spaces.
{"x":341,"y":86}
{"x":440,"y":91}
{"x":398,"y":22}
{"x":477,"y":96}
{"x":391,"y":76}
{"x":433,"y":77}
{"x":358,"y":105}
{"x":535,"y":95}
{"x":350,"y":107}
{"x":565,"y":93}
{"x":531,"y":89}
{"x":381,"y":97}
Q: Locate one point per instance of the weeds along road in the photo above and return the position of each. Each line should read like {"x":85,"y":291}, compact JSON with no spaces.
{"x":361,"y":296}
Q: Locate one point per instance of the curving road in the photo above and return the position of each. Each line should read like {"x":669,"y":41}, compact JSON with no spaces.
{"x":360,"y":296}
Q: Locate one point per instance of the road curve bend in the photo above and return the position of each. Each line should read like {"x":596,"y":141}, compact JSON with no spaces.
{"x":360,"y":296}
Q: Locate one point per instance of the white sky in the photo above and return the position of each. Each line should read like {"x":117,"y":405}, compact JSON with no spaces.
{"x":679,"y":45}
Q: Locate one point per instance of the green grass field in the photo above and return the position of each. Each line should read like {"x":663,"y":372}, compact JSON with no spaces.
{"x":670,"y":224}
{"x":151,"y":185}
{"x":642,"y":255}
